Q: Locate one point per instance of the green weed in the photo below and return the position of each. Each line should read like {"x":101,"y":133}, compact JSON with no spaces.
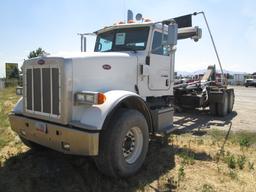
{"x":250,"y":165}
{"x":244,"y":142}
{"x":241,"y":161}
{"x":230,"y":160}
{"x":207,"y":188}
{"x":181,"y":172}
{"x":188,"y":158}
{"x":233,"y":175}
{"x":7,"y":100}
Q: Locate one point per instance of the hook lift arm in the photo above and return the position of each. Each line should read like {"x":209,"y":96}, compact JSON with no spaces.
{"x":214,"y":46}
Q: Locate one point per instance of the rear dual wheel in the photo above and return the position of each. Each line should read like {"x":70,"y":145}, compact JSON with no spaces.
{"x":231,"y":100}
{"x":225,"y":107}
{"x":213,"y":109}
{"x":222,"y":108}
{"x":124,"y":144}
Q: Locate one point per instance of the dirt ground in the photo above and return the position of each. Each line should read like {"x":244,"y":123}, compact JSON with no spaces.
{"x":243,"y":116}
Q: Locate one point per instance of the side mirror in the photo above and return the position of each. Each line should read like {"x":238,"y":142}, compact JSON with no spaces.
{"x":83,"y":40}
{"x":172,"y":34}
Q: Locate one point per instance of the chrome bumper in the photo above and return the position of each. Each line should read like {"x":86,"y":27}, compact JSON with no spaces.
{"x":59,"y":138}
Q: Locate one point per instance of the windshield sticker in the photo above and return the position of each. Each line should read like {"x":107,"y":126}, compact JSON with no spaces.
{"x":120,"y":38}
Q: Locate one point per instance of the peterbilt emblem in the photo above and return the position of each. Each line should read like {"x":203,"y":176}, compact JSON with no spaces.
{"x":106,"y":67}
{"x":41,"y":62}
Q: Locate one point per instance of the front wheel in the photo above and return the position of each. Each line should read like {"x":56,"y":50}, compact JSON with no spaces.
{"x":124,"y":144}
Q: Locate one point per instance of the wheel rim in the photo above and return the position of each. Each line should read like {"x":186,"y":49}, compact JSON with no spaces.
{"x":132,"y":145}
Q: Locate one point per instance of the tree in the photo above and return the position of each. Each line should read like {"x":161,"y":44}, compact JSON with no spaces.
{"x":14,"y":74}
{"x":37,"y":53}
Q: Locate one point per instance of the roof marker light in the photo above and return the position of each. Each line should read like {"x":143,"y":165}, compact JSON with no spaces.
{"x":147,"y":20}
{"x":131,"y":21}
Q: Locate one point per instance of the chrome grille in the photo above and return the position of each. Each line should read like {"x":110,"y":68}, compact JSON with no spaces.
{"x":43,"y":91}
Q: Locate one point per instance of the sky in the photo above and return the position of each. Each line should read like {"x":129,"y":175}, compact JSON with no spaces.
{"x":53,"y":25}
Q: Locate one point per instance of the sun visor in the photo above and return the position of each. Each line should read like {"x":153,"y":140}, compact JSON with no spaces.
{"x":184,"y":21}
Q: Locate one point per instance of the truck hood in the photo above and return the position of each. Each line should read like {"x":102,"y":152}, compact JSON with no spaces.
{"x":103,"y":72}
{"x":97,"y":71}
{"x":76,"y":55}
{"x":64,"y":75}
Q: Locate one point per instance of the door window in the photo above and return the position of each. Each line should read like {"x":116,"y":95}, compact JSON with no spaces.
{"x":157,"y":47}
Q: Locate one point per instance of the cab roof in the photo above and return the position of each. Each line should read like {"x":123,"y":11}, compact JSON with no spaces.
{"x":124,"y":25}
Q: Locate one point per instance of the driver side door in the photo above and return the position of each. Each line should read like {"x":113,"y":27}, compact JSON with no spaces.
{"x":160,"y":61}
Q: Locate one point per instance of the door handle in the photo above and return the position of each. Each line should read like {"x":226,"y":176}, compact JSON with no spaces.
{"x":167,"y":82}
{"x":147,"y":60}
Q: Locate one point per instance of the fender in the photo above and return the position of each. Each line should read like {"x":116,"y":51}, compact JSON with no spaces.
{"x":96,"y":117}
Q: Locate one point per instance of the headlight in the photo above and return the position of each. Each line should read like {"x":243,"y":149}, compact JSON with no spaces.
{"x":19,"y":90}
{"x":88,"y":97}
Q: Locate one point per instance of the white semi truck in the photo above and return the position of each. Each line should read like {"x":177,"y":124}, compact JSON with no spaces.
{"x":105,"y":103}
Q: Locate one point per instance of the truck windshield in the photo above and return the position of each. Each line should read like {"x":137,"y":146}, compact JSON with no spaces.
{"x":127,"y":39}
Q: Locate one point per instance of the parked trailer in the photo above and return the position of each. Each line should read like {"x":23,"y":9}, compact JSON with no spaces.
{"x":104,"y":104}
{"x":205,"y":93}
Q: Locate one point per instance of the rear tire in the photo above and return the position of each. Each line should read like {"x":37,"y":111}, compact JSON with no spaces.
{"x":123,"y":144}
{"x":231,"y":100}
{"x":223,"y":107}
{"x":213,"y":109}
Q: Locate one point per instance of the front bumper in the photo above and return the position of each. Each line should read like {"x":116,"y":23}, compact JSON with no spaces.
{"x":56,"y":137}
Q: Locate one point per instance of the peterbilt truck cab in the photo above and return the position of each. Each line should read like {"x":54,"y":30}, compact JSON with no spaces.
{"x":105,"y":103}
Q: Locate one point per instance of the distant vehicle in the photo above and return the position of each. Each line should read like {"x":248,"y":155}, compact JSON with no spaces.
{"x":250,"y":82}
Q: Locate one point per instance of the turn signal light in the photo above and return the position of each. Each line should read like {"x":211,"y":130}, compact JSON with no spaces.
{"x":101,"y":98}
{"x":119,"y":23}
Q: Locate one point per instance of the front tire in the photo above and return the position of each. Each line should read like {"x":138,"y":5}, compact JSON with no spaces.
{"x":123,"y":144}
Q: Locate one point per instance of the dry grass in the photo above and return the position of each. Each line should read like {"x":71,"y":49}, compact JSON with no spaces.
{"x":211,"y":170}
{"x":8,"y":99}
{"x":182,"y":162}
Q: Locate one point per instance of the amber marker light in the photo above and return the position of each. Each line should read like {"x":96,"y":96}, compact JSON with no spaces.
{"x":101,"y":98}
{"x":147,"y":20}
{"x":131,"y":21}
